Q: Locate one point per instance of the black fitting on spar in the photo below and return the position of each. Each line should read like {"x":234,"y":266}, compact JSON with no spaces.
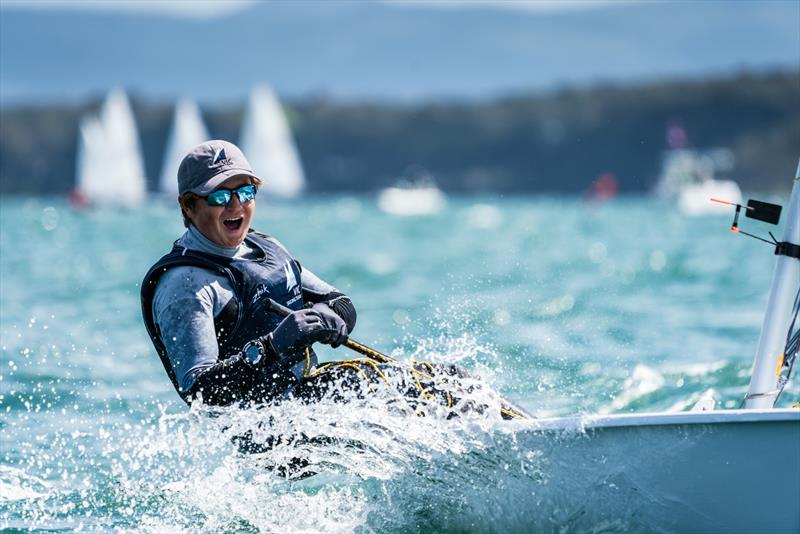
{"x":784,"y":248}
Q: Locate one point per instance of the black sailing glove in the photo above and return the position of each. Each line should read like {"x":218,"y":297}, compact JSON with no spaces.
{"x":297,"y":330}
{"x":335,"y":325}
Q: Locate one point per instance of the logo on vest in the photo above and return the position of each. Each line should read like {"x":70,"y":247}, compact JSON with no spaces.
{"x":291,"y":284}
{"x":291,"y":280}
{"x":261,"y":290}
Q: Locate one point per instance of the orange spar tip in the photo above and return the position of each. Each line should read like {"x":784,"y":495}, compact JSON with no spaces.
{"x":734,"y":228}
{"x":712,"y":199}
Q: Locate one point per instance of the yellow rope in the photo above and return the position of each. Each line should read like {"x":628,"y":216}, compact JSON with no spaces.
{"x":510,"y":413}
{"x":417,"y":375}
{"x":353,"y":364}
{"x":308,"y":362}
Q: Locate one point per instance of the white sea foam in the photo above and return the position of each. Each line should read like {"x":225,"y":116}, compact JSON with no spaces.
{"x":645,"y":380}
{"x":175,"y":471}
{"x":16,"y":485}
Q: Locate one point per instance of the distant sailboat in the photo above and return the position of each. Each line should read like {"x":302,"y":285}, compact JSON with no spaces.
{"x":188,"y":131}
{"x":91,"y":162}
{"x":267,"y":142}
{"x":110,"y":170}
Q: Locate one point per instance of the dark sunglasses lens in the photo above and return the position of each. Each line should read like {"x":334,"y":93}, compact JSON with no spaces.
{"x":246,"y":193}
{"x":219,"y":198}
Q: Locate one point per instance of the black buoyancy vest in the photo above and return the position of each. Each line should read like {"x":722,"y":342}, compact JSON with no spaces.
{"x":274,"y":274}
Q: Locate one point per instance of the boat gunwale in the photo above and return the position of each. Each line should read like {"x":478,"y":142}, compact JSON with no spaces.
{"x":655,"y":419}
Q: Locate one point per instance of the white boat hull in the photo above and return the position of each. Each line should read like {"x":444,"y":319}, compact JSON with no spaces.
{"x":411,"y":201}
{"x":718,"y":471}
{"x":695,"y":199}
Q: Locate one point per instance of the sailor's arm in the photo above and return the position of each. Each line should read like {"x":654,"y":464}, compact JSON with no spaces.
{"x":250,"y":374}
{"x":186,"y":321}
{"x":228,"y":381}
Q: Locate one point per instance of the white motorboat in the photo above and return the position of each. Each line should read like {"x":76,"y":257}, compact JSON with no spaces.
{"x":689,"y":177}
{"x":420,"y":197}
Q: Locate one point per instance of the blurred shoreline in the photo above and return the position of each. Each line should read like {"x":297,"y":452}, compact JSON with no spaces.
{"x":554,"y":143}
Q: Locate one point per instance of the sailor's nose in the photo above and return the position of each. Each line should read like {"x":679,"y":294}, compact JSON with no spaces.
{"x":234,"y":202}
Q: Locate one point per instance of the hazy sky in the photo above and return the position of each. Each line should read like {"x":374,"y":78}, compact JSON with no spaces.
{"x":210,"y":8}
{"x":214,"y":51}
{"x":180,"y":8}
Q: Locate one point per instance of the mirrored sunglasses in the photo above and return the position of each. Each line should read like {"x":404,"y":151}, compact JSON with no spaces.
{"x":222,"y":197}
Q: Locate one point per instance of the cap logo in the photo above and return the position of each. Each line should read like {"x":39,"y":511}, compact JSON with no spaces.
{"x":220,"y":158}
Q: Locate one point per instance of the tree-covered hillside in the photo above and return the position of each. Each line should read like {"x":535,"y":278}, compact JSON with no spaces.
{"x":557,"y":142}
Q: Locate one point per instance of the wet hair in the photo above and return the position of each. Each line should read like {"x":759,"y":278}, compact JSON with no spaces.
{"x":189,"y":200}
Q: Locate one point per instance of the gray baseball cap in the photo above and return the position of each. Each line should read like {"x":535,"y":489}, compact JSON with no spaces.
{"x":209,"y":164}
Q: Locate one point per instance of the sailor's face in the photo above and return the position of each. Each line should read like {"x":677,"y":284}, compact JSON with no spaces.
{"x":226,"y":226}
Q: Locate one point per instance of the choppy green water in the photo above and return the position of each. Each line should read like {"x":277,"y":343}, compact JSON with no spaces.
{"x":564,"y":307}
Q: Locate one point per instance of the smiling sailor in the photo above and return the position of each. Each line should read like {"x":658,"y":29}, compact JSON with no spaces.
{"x":205,"y":302}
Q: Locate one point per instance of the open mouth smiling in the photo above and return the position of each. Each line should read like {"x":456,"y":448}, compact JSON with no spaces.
{"x":233,"y":223}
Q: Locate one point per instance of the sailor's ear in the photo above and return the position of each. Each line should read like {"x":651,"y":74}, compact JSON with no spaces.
{"x":187,"y":204}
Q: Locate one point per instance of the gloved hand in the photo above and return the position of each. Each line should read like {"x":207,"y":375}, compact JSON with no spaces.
{"x":333,"y":323}
{"x":297,"y":330}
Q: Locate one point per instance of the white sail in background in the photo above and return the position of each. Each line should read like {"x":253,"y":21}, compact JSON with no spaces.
{"x":110,"y":167}
{"x":188,"y":131}
{"x":268,"y":145}
{"x":91,"y":159}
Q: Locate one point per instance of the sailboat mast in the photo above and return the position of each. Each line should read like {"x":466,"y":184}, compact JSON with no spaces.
{"x":785,"y":282}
